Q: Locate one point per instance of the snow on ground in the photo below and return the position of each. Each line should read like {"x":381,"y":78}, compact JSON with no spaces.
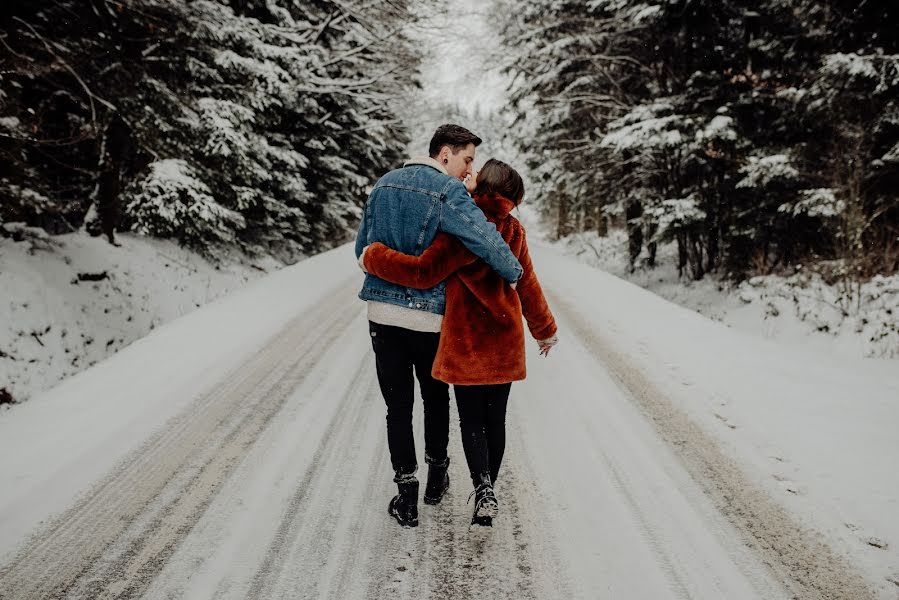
{"x":816,"y":430}
{"x":65,"y":439}
{"x":288,"y":488}
{"x":56,"y":321}
{"x":801,"y":310}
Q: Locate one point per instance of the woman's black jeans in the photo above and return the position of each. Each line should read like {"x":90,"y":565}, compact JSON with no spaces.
{"x":397,"y":352}
{"x":482,"y":418}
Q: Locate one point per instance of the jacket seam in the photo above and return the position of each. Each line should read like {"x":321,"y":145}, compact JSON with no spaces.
{"x":407,"y":188}
{"x":424,"y":228}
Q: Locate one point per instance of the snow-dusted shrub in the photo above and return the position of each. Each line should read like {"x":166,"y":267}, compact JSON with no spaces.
{"x":646,"y":127}
{"x":171,"y":202}
{"x":880,"y":70}
{"x":818,"y":202}
{"x":759,"y":172}
{"x":892,"y":156}
{"x":869,"y":311}
{"x":675,"y":214}
{"x":721,"y":127}
{"x":35,"y":237}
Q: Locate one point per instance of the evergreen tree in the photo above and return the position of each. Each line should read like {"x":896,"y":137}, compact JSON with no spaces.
{"x":259,"y":123}
{"x":755,"y":135}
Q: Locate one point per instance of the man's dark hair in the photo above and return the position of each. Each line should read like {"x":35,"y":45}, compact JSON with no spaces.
{"x":454,"y":136}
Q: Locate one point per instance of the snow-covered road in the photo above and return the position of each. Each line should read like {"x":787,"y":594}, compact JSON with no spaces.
{"x":271,"y":480}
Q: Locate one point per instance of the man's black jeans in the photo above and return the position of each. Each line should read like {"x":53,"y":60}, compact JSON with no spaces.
{"x":482,"y":418}
{"x":397,"y":352}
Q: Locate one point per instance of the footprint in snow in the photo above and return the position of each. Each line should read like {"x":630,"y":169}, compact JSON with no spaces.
{"x":788,"y":485}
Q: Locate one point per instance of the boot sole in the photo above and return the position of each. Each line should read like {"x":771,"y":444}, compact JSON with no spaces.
{"x":405,"y":524}
{"x":488,"y":508}
{"x":480,"y":522}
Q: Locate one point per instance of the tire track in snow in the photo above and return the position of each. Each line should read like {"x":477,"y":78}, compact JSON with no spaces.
{"x":325,"y":515}
{"x":804,"y":565}
{"x":653,"y":538}
{"x":232,"y":414}
{"x":279,"y":526}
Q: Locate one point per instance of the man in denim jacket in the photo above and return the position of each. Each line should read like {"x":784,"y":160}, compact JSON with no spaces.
{"x":405,"y":210}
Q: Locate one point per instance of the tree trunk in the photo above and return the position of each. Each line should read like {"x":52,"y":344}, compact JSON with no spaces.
{"x":712,"y":248}
{"x":118,"y":147}
{"x":562,"y":220}
{"x":696,"y":258}
{"x":602,"y":224}
{"x":632,"y":214}
{"x":652,"y":247}
{"x":681,"y":253}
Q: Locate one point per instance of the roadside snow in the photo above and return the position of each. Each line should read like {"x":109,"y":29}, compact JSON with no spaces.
{"x":800,"y":310}
{"x":75,"y":300}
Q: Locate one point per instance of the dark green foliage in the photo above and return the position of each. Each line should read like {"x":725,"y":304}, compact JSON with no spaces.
{"x":755,"y":135}
{"x":212,"y":121}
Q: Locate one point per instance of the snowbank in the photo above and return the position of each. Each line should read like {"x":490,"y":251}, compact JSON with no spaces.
{"x":74,"y":300}
{"x":801,"y":310}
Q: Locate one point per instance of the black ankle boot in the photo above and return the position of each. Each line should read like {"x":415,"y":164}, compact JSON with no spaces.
{"x":438,"y":482}
{"x":404,"y":506}
{"x":485,"y":504}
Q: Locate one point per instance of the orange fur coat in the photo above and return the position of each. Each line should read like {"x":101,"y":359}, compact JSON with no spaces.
{"x":482,"y":337}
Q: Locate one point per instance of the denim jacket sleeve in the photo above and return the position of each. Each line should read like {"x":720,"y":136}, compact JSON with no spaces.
{"x":462,"y":218}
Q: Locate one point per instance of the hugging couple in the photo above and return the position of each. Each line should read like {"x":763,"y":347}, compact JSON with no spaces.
{"x":448,"y":278}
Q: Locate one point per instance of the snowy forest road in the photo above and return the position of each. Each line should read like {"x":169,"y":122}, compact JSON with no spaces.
{"x":274,"y":484}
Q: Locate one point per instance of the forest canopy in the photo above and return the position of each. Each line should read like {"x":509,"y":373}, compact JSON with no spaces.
{"x":256,"y":123}
{"x":754,"y":135}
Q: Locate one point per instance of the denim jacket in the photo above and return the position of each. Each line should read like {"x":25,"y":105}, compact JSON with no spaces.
{"x":405,"y":210}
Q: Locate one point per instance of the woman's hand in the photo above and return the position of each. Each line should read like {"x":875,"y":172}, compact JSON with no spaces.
{"x":471,"y":182}
{"x":547,"y":344}
{"x":362,"y":260}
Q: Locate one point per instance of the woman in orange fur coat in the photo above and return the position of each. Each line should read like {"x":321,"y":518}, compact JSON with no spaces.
{"x":481,"y":348}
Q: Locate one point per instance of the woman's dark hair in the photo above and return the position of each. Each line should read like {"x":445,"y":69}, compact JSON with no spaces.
{"x":496,"y":177}
{"x":454,"y":136}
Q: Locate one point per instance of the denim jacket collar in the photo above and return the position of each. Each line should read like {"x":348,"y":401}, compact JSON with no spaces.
{"x":426,"y":161}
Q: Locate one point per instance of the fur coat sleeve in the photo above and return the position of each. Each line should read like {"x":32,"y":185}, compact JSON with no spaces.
{"x":441,"y":259}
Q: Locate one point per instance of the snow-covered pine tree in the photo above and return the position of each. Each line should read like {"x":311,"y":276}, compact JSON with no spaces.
{"x":593,"y":76}
{"x":284,"y":111}
{"x":173,"y":203}
{"x":563,"y":58}
{"x":292,"y":112}
{"x":645,"y":107}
